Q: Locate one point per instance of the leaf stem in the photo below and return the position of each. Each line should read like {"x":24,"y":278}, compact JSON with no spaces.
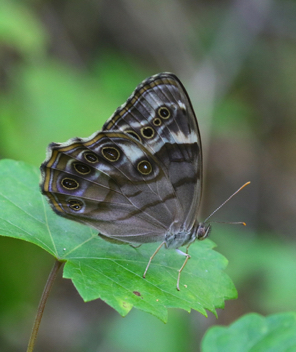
{"x":41,"y":306}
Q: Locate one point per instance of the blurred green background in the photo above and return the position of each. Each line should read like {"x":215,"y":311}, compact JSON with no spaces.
{"x":66,"y":65}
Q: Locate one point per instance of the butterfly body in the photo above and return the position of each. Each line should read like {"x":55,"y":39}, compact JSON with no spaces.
{"x":139,"y":179}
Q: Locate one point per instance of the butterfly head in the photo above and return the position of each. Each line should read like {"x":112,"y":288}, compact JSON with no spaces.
{"x":203,"y":231}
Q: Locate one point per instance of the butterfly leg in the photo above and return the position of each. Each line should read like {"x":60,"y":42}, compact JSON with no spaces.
{"x":153,"y":255}
{"x":183,"y":266}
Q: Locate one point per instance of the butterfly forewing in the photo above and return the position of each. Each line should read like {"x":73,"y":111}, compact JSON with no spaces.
{"x":160,"y":115}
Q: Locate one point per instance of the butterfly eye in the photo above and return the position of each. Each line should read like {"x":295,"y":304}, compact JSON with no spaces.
{"x":144,"y":167}
{"x":75,"y":204}
{"x":111,"y":153}
{"x":157,"y":121}
{"x":164,"y":112}
{"x":147,"y":132}
{"x":82,"y":168}
{"x":69,"y":183}
{"x":91,"y":157}
{"x":203,"y":231}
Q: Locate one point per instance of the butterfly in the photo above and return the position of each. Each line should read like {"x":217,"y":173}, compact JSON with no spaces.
{"x":139,"y":179}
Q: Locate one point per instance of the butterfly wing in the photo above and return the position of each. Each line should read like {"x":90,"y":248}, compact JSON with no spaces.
{"x":139,"y":178}
{"x":159,"y":114}
{"x":110,"y":182}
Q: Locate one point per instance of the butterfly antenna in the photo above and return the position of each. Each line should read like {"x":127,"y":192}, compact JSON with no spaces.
{"x":238,"y":223}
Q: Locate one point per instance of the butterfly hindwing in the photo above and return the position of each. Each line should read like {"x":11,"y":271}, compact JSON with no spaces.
{"x":112,"y":183}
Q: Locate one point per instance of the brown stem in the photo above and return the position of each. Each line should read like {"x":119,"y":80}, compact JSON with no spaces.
{"x":42,"y":303}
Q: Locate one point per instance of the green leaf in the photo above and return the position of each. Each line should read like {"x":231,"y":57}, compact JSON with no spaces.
{"x":112,"y":272}
{"x":254,"y":333}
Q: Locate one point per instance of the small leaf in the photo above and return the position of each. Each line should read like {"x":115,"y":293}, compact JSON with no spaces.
{"x":254,"y":333}
{"x":112,"y":272}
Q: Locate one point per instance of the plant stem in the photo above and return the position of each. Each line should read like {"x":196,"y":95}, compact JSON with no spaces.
{"x":42,"y":303}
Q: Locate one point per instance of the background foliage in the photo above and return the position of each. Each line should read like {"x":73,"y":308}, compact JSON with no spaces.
{"x":66,"y":65}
